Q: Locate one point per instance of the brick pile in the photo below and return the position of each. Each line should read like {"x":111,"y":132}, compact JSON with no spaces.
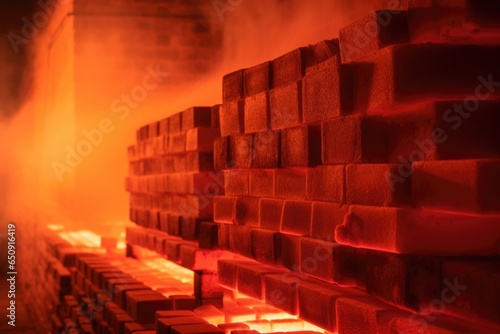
{"x":90,"y":290}
{"x":171,"y":180}
{"x":46,"y":283}
{"x":361,"y":177}
{"x":368,"y":176}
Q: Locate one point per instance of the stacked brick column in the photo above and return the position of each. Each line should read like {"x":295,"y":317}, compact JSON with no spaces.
{"x":171,"y":181}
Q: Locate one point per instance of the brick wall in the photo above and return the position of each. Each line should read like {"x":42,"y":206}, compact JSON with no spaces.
{"x":362,"y":175}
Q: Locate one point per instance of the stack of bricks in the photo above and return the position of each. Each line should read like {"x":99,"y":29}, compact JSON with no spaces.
{"x":360,"y":186}
{"x":45,"y":284}
{"x":172,"y":185}
{"x":171,"y":179}
{"x":363,"y":174}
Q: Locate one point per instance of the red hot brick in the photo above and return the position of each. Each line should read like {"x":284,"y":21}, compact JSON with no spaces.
{"x":290,"y":252}
{"x":224,"y":209}
{"x":251,"y":279}
{"x":262,"y":183}
{"x":403,"y":280}
{"x":209,"y":235}
{"x":258,"y":79}
{"x":296,"y":217}
{"x":290,"y":183}
{"x":301,"y":146}
{"x":232,"y":86}
{"x":237,"y":182}
{"x":206,"y":285}
{"x":370,"y":184}
{"x":404,"y":72}
{"x":201,"y":139}
{"x":326,"y":183}
{"x":227,"y":272}
{"x":175,"y":123}
{"x":232,"y":117}
{"x":266,"y":149}
{"x":256,"y":113}
{"x":459,"y":185}
{"x":286,"y":105}
{"x":173,"y":314}
{"x":173,"y":225}
{"x":270,"y":213}
{"x":190,"y":228}
{"x":197,"y":328}
{"x":182,"y":302}
{"x":325,"y":218}
{"x":266,"y":246}
{"x":216,"y":116}
{"x":400,"y":230}
{"x":240,"y":151}
{"x":199,"y":161}
{"x":196,"y":117}
{"x":289,"y":67}
{"x":223,"y":237}
{"x":163,"y":128}
{"x":414,"y":324}
{"x":247,"y":211}
{"x":177,"y":143}
{"x":323,"y":51}
{"x":332,"y":262}
{"x":240,"y":240}
{"x":365,"y":315}
{"x":221,"y":153}
{"x":326,"y":91}
{"x":232,"y":327}
{"x":317,"y":258}
{"x":317,"y":302}
{"x":164,"y":325}
{"x":353,"y":139}
{"x":372,"y":33}
{"x":281,"y":291}
{"x":443,"y":130}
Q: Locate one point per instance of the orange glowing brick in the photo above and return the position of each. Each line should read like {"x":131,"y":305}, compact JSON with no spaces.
{"x":257,"y":79}
{"x":286,"y":105}
{"x":266,"y":149}
{"x":326,"y":183}
{"x":239,"y":314}
{"x":196,"y":117}
{"x":211,"y":314}
{"x":459,"y":185}
{"x":301,"y":146}
{"x":256,"y":113}
{"x":232,"y":86}
{"x":368,"y":184}
{"x":232,"y":115}
{"x":365,"y":314}
{"x":290,"y":183}
{"x":326,"y":91}
{"x":237,"y":182}
{"x":196,"y":329}
{"x":164,"y":325}
{"x":386,"y":28}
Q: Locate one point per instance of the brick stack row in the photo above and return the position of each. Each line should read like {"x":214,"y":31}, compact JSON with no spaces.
{"x":46,"y":283}
{"x":171,"y":179}
{"x":374,"y":167}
